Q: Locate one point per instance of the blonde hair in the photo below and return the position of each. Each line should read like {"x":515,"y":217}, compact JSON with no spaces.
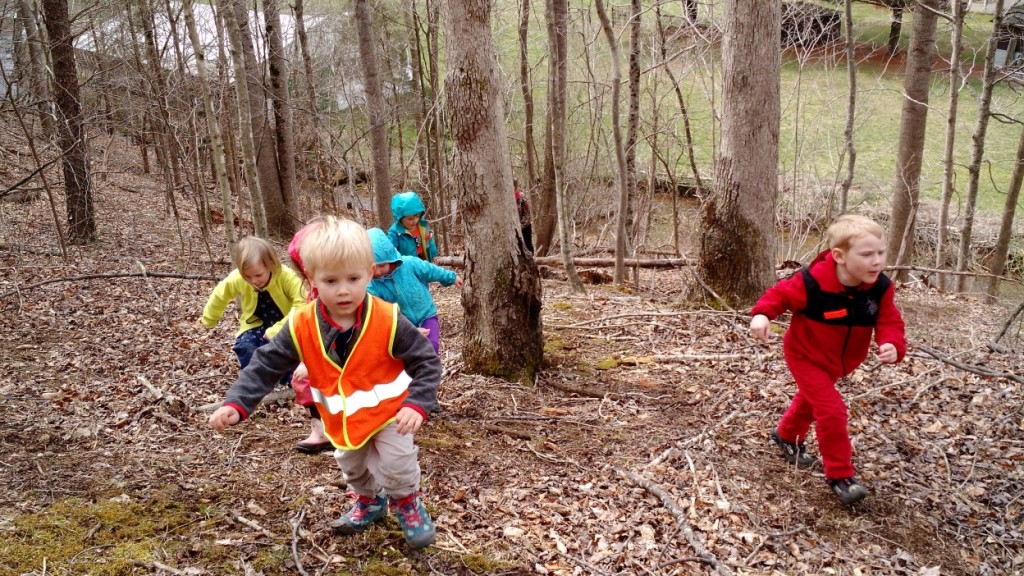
{"x":849,"y":227}
{"x":335,"y":241}
{"x":253,"y":249}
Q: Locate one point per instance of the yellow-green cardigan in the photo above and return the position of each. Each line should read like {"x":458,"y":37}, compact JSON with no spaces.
{"x":284,"y":287}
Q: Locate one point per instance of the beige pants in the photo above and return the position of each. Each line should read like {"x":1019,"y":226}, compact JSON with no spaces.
{"x":388,"y":461}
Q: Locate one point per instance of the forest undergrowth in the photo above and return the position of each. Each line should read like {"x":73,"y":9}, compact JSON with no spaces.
{"x":642,"y":449}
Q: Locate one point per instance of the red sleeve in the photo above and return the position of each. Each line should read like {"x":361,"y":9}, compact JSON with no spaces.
{"x":788,"y":294}
{"x":890,"y":328}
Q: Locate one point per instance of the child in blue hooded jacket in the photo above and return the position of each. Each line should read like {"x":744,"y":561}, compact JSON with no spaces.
{"x":404,"y":280}
{"x":411,"y":233}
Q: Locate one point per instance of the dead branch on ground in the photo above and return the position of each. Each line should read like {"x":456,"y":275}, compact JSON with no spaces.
{"x":112,"y":275}
{"x":556,"y":261}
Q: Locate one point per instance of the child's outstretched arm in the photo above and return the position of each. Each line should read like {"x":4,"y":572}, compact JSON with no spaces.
{"x":268,"y":364}
{"x":890,"y":331}
{"x":225,"y":291}
{"x":428,"y":272}
{"x":788,"y":294}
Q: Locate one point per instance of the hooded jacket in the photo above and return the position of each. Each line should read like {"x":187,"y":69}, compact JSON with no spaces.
{"x":839,"y":340}
{"x":406,"y":285}
{"x":407,"y":204}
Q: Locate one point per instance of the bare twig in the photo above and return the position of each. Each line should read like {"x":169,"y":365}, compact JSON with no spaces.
{"x":767,"y":537}
{"x":501,"y":430}
{"x":980,"y":370}
{"x":159,"y":301}
{"x":1009,"y":321}
{"x":254,"y":525}
{"x":670,"y":504}
{"x":721,"y":300}
{"x":113,"y":275}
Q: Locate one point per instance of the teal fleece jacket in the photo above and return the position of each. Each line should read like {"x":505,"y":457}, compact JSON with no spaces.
{"x":406,"y":285}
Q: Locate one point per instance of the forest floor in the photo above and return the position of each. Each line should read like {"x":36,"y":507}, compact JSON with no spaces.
{"x":642,"y":449}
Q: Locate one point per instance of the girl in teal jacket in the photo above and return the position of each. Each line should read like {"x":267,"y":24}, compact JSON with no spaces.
{"x":404,"y":280}
{"x":411,"y":234}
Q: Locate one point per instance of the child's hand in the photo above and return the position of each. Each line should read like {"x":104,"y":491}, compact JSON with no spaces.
{"x":887,"y":353}
{"x":458,"y":281}
{"x":301,"y":372}
{"x":224,"y":416}
{"x":408,"y":420}
{"x":760,"y":327}
{"x":424,"y":331}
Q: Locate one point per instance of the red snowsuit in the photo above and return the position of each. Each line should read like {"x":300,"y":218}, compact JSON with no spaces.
{"x":829,"y":336}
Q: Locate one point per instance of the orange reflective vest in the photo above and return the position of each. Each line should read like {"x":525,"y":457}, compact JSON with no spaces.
{"x":363,"y":396}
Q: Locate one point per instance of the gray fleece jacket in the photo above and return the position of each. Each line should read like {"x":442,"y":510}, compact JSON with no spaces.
{"x":273,"y":360}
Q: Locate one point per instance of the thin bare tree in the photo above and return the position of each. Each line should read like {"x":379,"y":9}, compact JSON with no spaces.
{"x":72,"y":137}
{"x":913,"y":122}
{"x":978,"y":148}
{"x":286,"y":223}
{"x":375,"y":112}
{"x":1002,"y":248}
{"x":948,"y":169}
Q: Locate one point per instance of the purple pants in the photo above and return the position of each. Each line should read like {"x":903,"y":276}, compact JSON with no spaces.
{"x":434,"y":325}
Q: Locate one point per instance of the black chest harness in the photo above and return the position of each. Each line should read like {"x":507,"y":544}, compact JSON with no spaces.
{"x":850,"y":308}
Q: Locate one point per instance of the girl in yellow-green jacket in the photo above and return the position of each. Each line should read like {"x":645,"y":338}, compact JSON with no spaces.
{"x":267,"y":292}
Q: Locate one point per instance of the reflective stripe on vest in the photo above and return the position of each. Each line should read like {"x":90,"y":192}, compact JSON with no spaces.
{"x":359,"y":398}
{"x":363,"y":398}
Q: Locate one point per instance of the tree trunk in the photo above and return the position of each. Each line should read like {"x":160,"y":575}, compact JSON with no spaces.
{"x":690,"y":10}
{"x":419,"y":111}
{"x":913,"y":123}
{"x":502,"y":294}
{"x":327,"y":199}
{"x":895,"y":29}
{"x":1006,"y":226}
{"x":245,"y":115}
{"x":633,"y":217}
{"x":374,"y":112}
{"x":287,"y":223}
{"x":264,"y":141}
{"x":73,"y":144}
{"x":212,"y":124}
{"x":36,"y":51}
{"x":545,"y":208}
{"x":948,"y":169}
{"x":737,"y":251}
{"x":558,"y":11}
{"x":621,"y":158}
{"x":851,"y":109}
{"x":527,"y":91}
{"x":978,"y":149}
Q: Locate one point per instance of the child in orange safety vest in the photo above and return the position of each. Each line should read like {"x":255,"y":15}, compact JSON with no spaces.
{"x":374,"y":380}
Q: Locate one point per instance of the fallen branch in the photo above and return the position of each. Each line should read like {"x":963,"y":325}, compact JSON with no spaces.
{"x":767,"y":537}
{"x":254,"y":525}
{"x":295,"y":542}
{"x":460,"y":262}
{"x":944,"y":272}
{"x":669,"y":503}
{"x":30,"y":176}
{"x":1009,"y":322}
{"x":979,"y":370}
{"x":580,"y":391}
{"x":113,"y":275}
{"x":674,"y":358}
{"x":513,"y":433}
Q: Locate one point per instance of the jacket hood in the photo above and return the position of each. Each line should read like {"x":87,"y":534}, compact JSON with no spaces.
{"x":406,"y":204}
{"x":384,"y":252}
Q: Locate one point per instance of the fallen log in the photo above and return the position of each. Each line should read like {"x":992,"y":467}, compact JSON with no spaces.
{"x":459,"y":262}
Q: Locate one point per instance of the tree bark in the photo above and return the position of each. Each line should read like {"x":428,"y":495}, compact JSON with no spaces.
{"x":286,"y":223}
{"x":913,"y":123}
{"x":978,"y":148}
{"x":1002,"y":248}
{"x":895,"y":29}
{"x":502,"y":294}
{"x":737,"y":251}
{"x":212,"y":125}
{"x":545,"y":208}
{"x":374,"y":112}
{"x":73,"y":144}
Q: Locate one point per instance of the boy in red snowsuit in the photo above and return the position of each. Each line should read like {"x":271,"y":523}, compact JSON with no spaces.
{"x":837,"y":302}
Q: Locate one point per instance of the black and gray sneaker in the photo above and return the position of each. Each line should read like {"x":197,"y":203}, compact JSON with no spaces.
{"x":848,"y":490}
{"x":793,"y":452}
